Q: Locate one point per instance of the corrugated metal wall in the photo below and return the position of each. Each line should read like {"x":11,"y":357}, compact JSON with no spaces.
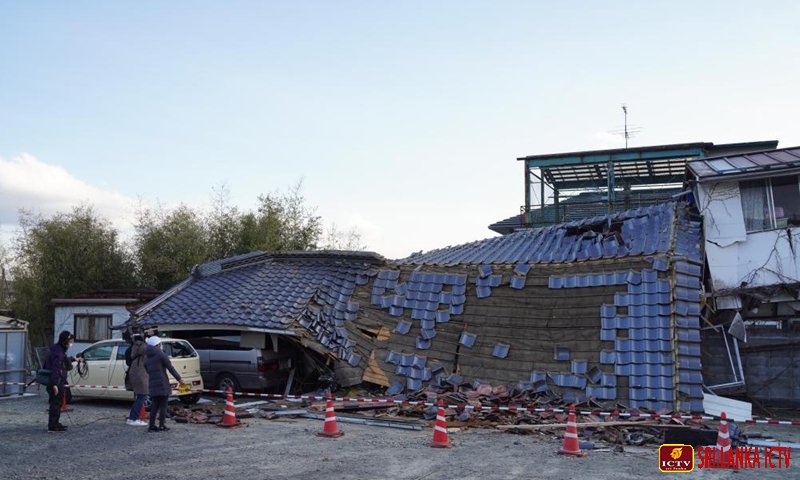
{"x":770,"y":360}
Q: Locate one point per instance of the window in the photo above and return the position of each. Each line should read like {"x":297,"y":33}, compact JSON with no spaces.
{"x":100,"y":352}
{"x":121,"y":349}
{"x":770,"y":203}
{"x":92,"y":328}
{"x":228,"y":342}
{"x":179,"y":349}
{"x":786,"y":201}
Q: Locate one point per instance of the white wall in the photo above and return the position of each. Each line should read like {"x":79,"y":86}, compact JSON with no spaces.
{"x":734,"y":256}
{"x":65,"y":320}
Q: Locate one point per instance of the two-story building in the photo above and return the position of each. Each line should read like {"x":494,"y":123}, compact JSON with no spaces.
{"x":563,"y":187}
{"x":750,"y":205}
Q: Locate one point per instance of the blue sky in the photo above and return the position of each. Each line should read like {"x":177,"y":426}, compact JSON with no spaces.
{"x":403,"y":118}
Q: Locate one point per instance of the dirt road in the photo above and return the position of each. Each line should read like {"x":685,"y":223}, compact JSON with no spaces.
{"x":100,"y":445}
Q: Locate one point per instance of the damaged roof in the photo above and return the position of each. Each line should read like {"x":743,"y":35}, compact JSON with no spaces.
{"x":261,"y":290}
{"x":645,"y":230}
{"x":582,"y":205}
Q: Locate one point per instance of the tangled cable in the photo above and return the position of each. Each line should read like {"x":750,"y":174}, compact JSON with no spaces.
{"x":83,"y":369}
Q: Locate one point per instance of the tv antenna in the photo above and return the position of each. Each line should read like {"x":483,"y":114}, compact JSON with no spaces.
{"x":626,"y":132}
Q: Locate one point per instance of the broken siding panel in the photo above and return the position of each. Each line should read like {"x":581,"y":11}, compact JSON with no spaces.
{"x":721,"y":206}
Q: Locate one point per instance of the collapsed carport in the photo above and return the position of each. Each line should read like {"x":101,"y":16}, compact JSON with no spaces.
{"x":271,"y":300}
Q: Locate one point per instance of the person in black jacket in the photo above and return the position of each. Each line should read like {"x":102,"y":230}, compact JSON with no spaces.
{"x":58,"y":363}
{"x":157,"y":363}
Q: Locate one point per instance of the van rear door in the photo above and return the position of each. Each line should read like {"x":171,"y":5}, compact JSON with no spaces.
{"x":185,"y":360}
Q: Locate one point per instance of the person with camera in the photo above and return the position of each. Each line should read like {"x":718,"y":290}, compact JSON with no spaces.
{"x":59,"y":364}
{"x":157,"y":364}
{"x":136,"y":379}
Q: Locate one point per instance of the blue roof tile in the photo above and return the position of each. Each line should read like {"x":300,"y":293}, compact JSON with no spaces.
{"x":517,"y":282}
{"x":427,"y":333}
{"x":467,"y":339}
{"x":501,"y":350}
{"x":483,"y":292}
{"x":403,"y":327}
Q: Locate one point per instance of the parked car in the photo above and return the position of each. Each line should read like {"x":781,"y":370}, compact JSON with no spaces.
{"x":106,"y":367}
{"x":224,"y":362}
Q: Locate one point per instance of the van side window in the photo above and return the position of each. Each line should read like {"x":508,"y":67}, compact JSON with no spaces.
{"x":121,"y":351}
{"x":228,"y":342}
{"x":178,"y":349}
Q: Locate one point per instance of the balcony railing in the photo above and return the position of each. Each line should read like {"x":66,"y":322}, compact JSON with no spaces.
{"x":570,"y":210}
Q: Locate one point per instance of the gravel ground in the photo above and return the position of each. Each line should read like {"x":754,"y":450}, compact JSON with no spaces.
{"x":100,"y":445}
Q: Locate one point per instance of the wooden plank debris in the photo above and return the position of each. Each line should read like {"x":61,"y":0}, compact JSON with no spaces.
{"x":545,"y":426}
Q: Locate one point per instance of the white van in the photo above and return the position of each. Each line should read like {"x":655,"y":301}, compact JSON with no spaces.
{"x":105,"y":362}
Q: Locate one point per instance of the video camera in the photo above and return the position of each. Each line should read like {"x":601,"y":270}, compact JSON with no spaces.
{"x":130,"y":330}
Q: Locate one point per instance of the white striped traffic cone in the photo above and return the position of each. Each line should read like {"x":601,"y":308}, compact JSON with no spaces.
{"x":723,"y":437}
{"x":440,"y":439}
{"x":331,"y":428}
{"x":571,"y":445}
{"x":229,"y":418}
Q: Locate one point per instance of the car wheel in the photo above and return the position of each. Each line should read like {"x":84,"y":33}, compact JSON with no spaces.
{"x":225,"y":381}
{"x":189,"y":399}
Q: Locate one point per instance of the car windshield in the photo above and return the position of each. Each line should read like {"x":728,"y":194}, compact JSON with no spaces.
{"x":179,"y":349}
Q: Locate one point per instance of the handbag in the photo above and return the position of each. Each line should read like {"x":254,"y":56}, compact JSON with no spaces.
{"x":43,"y":376}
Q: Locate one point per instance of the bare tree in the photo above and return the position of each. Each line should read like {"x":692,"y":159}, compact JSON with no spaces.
{"x":336,"y":239}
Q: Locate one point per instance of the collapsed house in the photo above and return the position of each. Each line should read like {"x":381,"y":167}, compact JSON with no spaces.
{"x":605,"y":308}
{"x":645,"y":307}
{"x":750,"y":205}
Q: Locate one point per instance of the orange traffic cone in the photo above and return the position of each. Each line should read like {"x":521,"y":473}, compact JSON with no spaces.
{"x":64,"y":407}
{"x":229,"y":419}
{"x":723,"y":437}
{"x":571,"y":445}
{"x":331,"y":428}
{"x":440,"y":439}
{"x":142,"y":413}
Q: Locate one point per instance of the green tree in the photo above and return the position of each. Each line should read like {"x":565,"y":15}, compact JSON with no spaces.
{"x":62,"y":256}
{"x":167,"y":244}
{"x":282,"y":221}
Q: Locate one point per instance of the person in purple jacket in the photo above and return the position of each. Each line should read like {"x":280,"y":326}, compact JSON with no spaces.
{"x":58,"y":364}
{"x":157,"y":363}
